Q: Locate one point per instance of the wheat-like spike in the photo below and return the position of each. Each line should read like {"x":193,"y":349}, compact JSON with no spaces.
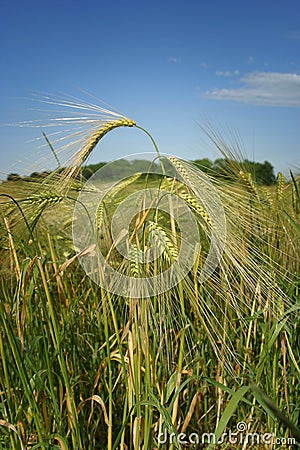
{"x":45,"y":198}
{"x":248,"y":182}
{"x":99,"y":215}
{"x":179,"y":166}
{"x":135,"y":260}
{"x":197,"y":207}
{"x":267,"y":196}
{"x":73,"y":170}
{"x":187,"y":172}
{"x":280,"y":185}
{"x":162,"y":240}
{"x":40,"y":202}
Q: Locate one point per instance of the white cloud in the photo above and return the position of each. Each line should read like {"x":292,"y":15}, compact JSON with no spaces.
{"x":250,"y":60}
{"x":226,"y":73}
{"x":221,"y":73}
{"x":263,"y":88}
{"x":173,"y":59}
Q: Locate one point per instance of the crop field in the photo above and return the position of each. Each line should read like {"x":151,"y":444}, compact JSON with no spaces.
{"x":151,"y":311}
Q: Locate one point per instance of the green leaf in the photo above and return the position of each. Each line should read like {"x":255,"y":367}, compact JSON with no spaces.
{"x":228,"y":412}
{"x":271,"y":409}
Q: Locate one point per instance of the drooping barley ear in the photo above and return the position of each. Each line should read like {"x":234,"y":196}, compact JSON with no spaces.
{"x":193,"y":202}
{"x":248,"y":183}
{"x":187,"y":172}
{"x":180,"y":167}
{"x":280,"y":185}
{"x":38,"y":203}
{"x":81,"y":156}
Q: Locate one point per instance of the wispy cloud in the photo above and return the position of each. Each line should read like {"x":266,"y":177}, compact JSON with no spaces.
{"x":250,"y":60}
{"x":263,"y":88}
{"x":174,"y":59}
{"x":227,"y":73}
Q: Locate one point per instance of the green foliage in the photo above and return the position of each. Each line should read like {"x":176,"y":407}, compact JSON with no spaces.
{"x":263,"y":173}
{"x":13,"y":177}
{"x":204,"y":164}
{"x":90,"y":169}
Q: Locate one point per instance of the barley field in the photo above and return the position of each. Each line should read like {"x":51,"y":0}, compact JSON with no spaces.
{"x":206,"y":356}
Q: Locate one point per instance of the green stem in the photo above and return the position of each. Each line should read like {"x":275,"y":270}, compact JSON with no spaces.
{"x":56,"y":337}
{"x":155,"y":146}
{"x":152,"y":140}
{"x":110,"y":381}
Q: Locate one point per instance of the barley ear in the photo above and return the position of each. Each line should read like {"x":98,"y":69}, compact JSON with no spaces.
{"x":193,"y":202}
{"x":81,"y":156}
{"x":248,"y":183}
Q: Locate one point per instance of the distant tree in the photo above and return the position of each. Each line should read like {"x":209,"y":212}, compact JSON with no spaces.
{"x":35,"y":175}
{"x":222,"y":167}
{"x":13,"y":177}
{"x":143,"y":165}
{"x":225,"y":168}
{"x":205,"y":164}
{"x":90,"y":169}
{"x":120,"y":169}
{"x":263,"y":172}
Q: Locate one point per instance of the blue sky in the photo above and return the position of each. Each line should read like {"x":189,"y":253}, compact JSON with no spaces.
{"x":167,"y":65}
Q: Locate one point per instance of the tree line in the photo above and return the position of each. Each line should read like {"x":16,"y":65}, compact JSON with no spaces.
{"x":262,"y":173}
